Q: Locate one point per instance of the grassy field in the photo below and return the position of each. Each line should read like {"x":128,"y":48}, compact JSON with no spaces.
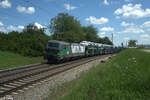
{"x":10,"y":60}
{"x":125,"y":77}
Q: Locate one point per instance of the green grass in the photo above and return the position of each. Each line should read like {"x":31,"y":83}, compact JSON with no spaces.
{"x":125,"y":77}
{"x":10,"y":60}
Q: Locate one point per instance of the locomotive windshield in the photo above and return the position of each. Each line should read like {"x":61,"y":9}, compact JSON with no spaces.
{"x":55,"y":45}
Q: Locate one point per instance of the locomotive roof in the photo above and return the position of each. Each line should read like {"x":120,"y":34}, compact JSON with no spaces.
{"x":60,"y":42}
{"x":106,"y":45}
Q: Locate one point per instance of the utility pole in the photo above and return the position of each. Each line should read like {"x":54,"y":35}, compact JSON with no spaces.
{"x":112,"y":38}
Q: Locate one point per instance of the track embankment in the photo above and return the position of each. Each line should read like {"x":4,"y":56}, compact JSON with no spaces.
{"x":35,"y":83}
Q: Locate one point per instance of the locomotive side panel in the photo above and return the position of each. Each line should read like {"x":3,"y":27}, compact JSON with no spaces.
{"x":77,"y":49}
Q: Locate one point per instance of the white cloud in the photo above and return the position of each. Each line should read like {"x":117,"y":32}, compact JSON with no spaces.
{"x":15,"y":28}
{"x":107,"y":29}
{"x":102,"y":35}
{"x":2,"y":29}
{"x":1,"y":23}
{"x":21,"y":9}
{"x":29,"y":10}
{"x":132,"y":30}
{"x":38,"y":25}
{"x":94,"y":20}
{"x":125,"y":24}
{"x":69,"y":7}
{"x":146,"y":24}
{"x":127,"y":0}
{"x":12,"y":28}
{"x":106,"y":2}
{"x":21,"y":27}
{"x":145,"y":36}
{"x":5,"y":4}
{"x":133,"y":11}
{"x":18,"y":28}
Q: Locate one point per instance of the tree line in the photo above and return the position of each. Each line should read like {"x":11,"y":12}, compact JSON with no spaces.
{"x":32,"y":40}
{"x":68,"y":28}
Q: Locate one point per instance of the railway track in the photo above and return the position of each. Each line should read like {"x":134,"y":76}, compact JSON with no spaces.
{"x":17,"y":79}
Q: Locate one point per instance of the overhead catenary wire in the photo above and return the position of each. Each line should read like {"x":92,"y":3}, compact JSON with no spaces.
{"x":37,"y":6}
{"x":40,"y":8}
{"x":13,"y":16}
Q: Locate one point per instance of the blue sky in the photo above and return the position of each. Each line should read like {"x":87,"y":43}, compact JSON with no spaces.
{"x":126,"y":19}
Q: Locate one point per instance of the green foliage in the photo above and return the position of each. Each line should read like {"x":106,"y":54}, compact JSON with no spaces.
{"x":106,"y":40}
{"x":31,"y":42}
{"x":10,"y":60}
{"x":90,"y":33}
{"x":125,"y":77}
{"x":132,"y":43}
{"x":141,"y":47}
{"x":67,"y":28}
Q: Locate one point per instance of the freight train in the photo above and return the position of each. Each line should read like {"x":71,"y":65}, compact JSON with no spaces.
{"x":58,"y":51}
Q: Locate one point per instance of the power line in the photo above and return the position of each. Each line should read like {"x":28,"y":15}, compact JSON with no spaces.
{"x":12,"y":16}
{"x":40,"y":8}
{"x":37,"y":6}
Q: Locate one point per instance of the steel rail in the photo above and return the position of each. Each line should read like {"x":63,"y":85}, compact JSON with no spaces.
{"x":30,"y":72}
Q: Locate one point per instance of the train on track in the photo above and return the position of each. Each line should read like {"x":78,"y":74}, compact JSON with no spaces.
{"x":59,"y":51}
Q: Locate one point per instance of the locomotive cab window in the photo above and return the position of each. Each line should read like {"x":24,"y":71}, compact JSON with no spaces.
{"x":55,"y":45}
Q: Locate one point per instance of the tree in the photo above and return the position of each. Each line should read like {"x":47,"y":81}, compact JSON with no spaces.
{"x":62,"y":24}
{"x":32,"y":29}
{"x":99,"y":40}
{"x":132,"y":43}
{"x":90,"y":33}
{"x":106,"y":40}
{"x":30,"y":42}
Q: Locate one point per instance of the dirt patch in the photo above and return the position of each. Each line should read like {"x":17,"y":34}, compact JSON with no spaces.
{"x":146,"y":51}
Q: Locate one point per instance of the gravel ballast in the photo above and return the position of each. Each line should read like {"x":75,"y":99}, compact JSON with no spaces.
{"x":41,"y":90}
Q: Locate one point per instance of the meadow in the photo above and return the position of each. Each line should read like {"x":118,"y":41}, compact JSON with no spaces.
{"x":11,"y":60}
{"x":125,"y":77}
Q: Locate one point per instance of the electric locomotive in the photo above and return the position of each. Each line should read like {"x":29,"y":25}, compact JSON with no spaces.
{"x":57,"y":51}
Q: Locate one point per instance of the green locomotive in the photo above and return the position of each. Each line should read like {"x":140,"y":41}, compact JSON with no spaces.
{"x":60,"y":51}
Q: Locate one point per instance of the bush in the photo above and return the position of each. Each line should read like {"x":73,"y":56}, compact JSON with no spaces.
{"x":30,"y":42}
